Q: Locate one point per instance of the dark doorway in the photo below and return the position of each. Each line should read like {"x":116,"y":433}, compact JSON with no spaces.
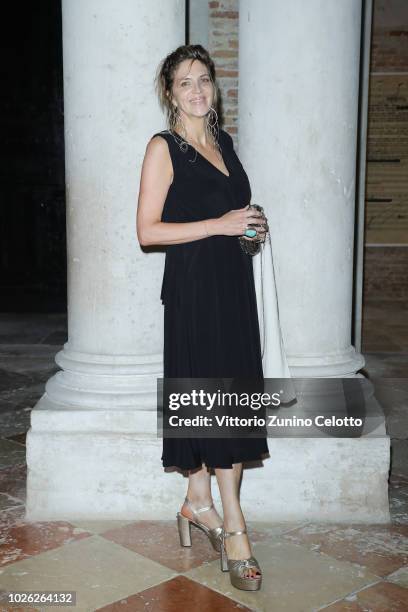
{"x":32,"y":228}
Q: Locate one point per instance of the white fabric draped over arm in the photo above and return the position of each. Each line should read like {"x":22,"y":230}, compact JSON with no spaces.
{"x":274,"y":359}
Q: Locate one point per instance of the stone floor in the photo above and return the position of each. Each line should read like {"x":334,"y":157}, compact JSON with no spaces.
{"x":139,"y":565}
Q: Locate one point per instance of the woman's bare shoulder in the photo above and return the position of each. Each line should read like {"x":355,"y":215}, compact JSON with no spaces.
{"x":158,"y":158}
{"x":158,"y":148}
{"x":158,"y":141}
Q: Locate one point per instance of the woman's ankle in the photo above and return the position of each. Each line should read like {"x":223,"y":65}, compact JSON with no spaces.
{"x":234,"y":523}
{"x":239,"y":547}
{"x":198,"y":501}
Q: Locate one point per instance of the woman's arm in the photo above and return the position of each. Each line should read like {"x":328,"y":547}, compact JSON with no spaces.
{"x":155,"y":181}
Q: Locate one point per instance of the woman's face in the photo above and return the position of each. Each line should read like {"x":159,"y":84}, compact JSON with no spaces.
{"x":192,"y":91}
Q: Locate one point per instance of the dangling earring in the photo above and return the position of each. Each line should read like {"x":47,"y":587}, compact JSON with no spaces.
{"x":172,"y":117}
{"x":211,"y":125}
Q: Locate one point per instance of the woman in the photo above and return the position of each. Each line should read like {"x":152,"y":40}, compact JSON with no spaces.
{"x":194,"y":197}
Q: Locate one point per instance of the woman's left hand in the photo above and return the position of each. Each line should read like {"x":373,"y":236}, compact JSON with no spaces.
{"x":262,"y":229}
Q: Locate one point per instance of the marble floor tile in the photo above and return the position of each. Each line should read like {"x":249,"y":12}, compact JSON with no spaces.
{"x":176,"y":595}
{"x":398,"y":496}
{"x":31,"y":327}
{"x":7,"y":502}
{"x":16,"y":401}
{"x":24,"y":539}
{"x":15,"y":414}
{"x":399,"y":457}
{"x":11,"y":453}
{"x":159,"y":541}
{"x":20,"y":438}
{"x":100,"y":526}
{"x":131,"y":565}
{"x":266,"y":529}
{"x":392,"y":395}
{"x":10,"y":517}
{"x":13,"y":481}
{"x":399,"y":478}
{"x":101,"y":572}
{"x":294,"y":579}
{"x":380,"y":597}
{"x":399,"y":577}
{"x":4,"y":607}
{"x":29,"y":359}
{"x":381,"y":548}
{"x":22,"y":373}
{"x":12,"y":380}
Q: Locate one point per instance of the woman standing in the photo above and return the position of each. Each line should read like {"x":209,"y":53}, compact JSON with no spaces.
{"x":194,"y":197}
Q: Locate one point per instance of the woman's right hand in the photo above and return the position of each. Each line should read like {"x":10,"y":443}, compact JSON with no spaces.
{"x":235,"y":222}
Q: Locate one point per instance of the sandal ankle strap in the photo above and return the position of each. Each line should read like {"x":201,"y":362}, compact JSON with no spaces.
{"x":193,"y":510}
{"x":227,"y":534}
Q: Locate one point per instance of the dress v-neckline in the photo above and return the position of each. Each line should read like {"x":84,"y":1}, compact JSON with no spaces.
{"x":207,"y":160}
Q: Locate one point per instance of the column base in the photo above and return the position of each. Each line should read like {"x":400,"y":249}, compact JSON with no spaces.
{"x":93,"y":464}
{"x":339,"y":364}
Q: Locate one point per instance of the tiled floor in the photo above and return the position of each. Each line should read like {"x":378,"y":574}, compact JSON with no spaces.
{"x":139,"y":565}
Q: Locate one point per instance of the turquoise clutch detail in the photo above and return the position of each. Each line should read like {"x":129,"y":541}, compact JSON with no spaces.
{"x":254,"y":246}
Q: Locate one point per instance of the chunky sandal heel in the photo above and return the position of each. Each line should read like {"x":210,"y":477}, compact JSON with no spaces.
{"x":224,"y":560}
{"x":184,"y":529}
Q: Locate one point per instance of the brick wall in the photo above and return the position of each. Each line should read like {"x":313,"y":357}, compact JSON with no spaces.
{"x":223,"y":47}
{"x":385,"y":273}
{"x":386,"y":218}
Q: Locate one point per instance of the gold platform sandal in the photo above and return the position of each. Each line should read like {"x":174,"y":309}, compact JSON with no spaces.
{"x":237,"y":567}
{"x":184,"y":527}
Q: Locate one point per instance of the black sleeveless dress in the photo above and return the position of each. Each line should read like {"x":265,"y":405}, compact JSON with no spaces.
{"x":210,"y":314}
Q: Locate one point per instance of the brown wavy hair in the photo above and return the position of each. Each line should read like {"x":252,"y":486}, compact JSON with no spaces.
{"x":165,"y":77}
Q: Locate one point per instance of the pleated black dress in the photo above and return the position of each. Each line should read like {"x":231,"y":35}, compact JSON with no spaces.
{"x":210,"y":314}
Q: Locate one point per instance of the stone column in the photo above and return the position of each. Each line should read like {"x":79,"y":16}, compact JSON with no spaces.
{"x":298,"y":110}
{"x":93,"y":433}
